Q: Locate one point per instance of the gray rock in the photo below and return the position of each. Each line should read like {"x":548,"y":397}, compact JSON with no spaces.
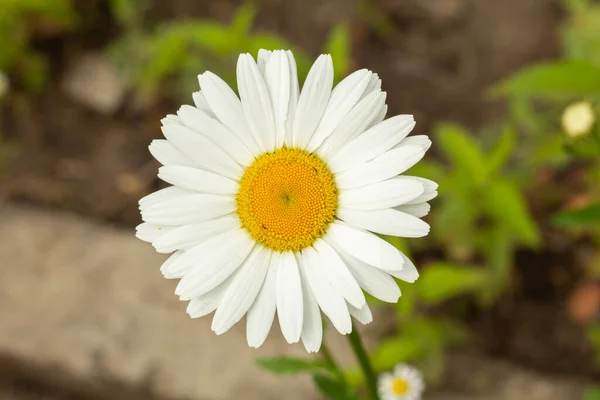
{"x":91,"y":300}
{"x":93,"y":81}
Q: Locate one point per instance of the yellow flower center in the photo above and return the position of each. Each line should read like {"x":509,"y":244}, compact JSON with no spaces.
{"x":399,"y":386}
{"x":287,"y":199}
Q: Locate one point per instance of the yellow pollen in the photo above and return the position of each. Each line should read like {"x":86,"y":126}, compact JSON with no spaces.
{"x":399,"y":386}
{"x":287,"y":199}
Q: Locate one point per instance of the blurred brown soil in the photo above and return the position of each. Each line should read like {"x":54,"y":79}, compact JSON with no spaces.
{"x":436,"y":59}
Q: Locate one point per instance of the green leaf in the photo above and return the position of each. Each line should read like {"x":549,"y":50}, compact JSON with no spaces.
{"x":550,"y":151}
{"x":243,"y":18}
{"x":498,"y":247}
{"x":287,"y":365}
{"x":463,"y":152}
{"x":332,"y":388}
{"x":338,"y":45}
{"x":166,"y":52}
{"x":128,"y":12}
{"x":207,"y":36}
{"x":454,"y":222}
{"x":561,"y":79}
{"x":429,"y":169}
{"x":441,"y":281}
{"x":452,"y":332}
{"x":592,"y":393}
{"x":394,"y":350}
{"x":505,"y":203}
{"x":501,"y":151}
{"x":405,"y":309}
{"x":587,"y":217}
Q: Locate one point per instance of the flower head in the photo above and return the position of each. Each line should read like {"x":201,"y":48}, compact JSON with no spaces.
{"x":276,"y":194}
{"x":404,"y":383}
{"x":578,"y":119}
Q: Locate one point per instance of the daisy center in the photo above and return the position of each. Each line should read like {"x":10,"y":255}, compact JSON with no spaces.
{"x":399,"y":386}
{"x":287,"y":199}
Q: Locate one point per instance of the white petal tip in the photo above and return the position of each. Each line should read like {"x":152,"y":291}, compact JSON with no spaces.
{"x":312,"y":350}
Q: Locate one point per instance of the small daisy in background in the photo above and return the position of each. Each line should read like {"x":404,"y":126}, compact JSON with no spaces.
{"x":278,"y":195}
{"x":4,"y":84}
{"x":404,"y":383}
{"x":578,"y":119}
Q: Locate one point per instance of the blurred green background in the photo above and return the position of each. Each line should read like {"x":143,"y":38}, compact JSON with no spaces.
{"x":512,"y":266}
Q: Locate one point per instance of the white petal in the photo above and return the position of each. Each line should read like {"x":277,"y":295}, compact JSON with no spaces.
{"x":365,"y":246}
{"x":189,"y":209}
{"x":332,"y":304}
{"x":409,"y":273}
{"x":161,"y":195}
{"x":338,"y":275}
{"x":164,"y":268}
{"x":202,"y":151}
{"x":312,"y":326}
{"x":362,"y":315}
{"x":202,"y":104}
{"x":428,"y":194}
{"x":166,"y":154}
{"x":150,"y":232}
{"x":374,"y":281}
{"x":386,"y":166}
{"x":171,"y":120}
{"x":227,"y":107}
{"x":355,"y":123}
{"x":277,"y":78}
{"x":386,"y":222}
{"x":208,"y":302}
{"x":293,"y":103}
{"x":243,"y":290}
{"x":372,"y":143}
{"x":418,"y":210}
{"x":211,"y":262}
{"x":313,"y":101}
{"x":289,"y":298}
{"x":217,"y":133}
{"x":386,"y":194}
{"x":263,"y":58}
{"x":373,"y":86}
{"x":261,"y":314}
{"x":198,"y":180}
{"x":343,"y":98}
{"x":186,"y":236}
{"x":417,"y":140}
{"x":379,"y":117}
{"x":256,"y":102}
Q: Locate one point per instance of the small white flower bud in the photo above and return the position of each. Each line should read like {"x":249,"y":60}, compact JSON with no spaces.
{"x":578,"y":119}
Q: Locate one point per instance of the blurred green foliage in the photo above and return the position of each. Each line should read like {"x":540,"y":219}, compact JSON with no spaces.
{"x":592,"y":393}
{"x":288,"y":365}
{"x":482,"y":215}
{"x":180,"y":50}
{"x":480,"y":218}
{"x":21,"y":22}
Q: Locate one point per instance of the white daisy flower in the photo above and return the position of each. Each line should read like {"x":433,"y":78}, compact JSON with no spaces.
{"x":275,"y":195}
{"x":404,"y":383}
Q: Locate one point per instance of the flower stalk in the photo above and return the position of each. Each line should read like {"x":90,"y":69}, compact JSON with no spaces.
{"x":365,"y":363}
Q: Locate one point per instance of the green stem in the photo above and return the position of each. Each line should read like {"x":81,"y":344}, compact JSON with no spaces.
{"x":332,"y":364}
{"x":365,"y":363}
